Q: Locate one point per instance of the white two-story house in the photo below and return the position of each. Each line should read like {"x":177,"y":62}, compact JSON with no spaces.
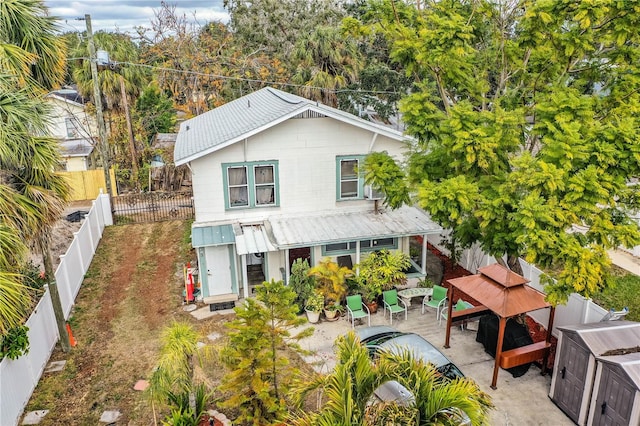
{"x":73,"y":127}
{"x":275,"y":178}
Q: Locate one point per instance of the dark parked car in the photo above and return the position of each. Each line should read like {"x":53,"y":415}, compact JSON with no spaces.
{"x":382,"y":337}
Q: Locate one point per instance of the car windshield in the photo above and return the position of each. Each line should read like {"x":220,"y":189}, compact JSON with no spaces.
{"x":450,"y":371}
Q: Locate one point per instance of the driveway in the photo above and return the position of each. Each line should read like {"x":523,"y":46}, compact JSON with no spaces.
{"x":521,"y":401}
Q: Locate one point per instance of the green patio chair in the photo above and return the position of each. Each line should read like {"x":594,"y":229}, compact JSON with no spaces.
{"x":438,"y":299}
{"x":393,"y":304}
{"x":356,"y":309}
{"x":459,"y":306}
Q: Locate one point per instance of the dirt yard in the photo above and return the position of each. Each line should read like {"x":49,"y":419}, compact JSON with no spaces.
{"x":131,"y":291}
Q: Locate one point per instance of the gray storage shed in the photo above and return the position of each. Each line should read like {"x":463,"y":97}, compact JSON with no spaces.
{"x":586,"y":369}
{"x":616,"y":391}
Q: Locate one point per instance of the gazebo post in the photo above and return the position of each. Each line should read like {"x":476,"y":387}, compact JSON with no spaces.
{"x":496,"y":367}
{"x":545,"y":360}
{"x":449,"y":311}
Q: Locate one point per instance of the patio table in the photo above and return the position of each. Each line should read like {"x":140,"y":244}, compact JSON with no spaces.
{"x":407,"y":294}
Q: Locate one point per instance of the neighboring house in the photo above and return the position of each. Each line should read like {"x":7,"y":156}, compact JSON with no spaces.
{"x":73,"y":128}
{"x":275,"y":178}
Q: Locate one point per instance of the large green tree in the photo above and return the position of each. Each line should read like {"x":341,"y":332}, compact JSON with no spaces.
{"x":526,"y":121}
{"x":349,"y":400}
{"x":33,"y":196}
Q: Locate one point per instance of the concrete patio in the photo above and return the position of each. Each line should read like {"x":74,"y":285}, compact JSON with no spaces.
{"x":518,"y":401}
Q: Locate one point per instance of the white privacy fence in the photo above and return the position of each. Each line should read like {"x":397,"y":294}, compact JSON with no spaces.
{"x":578,"y":309}
{"x":18,"y":378}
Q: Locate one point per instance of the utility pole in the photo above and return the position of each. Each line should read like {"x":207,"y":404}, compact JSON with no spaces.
{"x":102,"y":130}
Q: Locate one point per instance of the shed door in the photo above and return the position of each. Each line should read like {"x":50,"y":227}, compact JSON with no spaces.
{"x":571,"y":378}
{"x":615,"y":399}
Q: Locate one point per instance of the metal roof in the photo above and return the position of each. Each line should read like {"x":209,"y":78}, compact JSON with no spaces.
{"x":600,"y":337}
{"x":251,"y":114}
{"x":203,"y":236}
{"x":300,"y":231}
{"x":252,"y":239}
{"x":502,"y":291}
{"x":75,"y":148}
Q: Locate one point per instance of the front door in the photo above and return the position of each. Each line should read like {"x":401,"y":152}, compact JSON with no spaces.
{"x":299,"y":253}
{"x":219,"y":274}
{"x":571,"y":378}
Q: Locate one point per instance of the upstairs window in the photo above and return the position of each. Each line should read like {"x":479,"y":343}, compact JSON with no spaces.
{"x":350,"y":185}
{"x":73,"y":127}
{"x":251,"y":185}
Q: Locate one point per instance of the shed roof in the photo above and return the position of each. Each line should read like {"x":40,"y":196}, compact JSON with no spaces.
{"x":600,"y":337}
{"x":502,"y":291}
{"x":251,"y":114}
{"x":630,"y":364}
{"x":164,"y":140}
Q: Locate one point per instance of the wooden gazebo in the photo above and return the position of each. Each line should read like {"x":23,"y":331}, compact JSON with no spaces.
{"x":506,"y":294}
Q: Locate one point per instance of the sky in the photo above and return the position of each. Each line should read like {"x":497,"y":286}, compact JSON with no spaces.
{"x":125,"y":15}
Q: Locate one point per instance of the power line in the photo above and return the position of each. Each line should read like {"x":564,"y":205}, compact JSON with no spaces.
{"x":248,"y":80}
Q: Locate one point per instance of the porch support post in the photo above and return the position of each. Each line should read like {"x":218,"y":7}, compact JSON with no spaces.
{"x":287,"y":267}
{"x":424,"y":255}
{"x":496,"y":367}
{"x":245,"y":277}
{"x":357,"y":257}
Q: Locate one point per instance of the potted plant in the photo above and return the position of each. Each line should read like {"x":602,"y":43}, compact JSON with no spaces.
{"x":381,"y":271}
{"x":425,"y":282}
{"x":331,"y":280}
{"x":332,"y":311}
{"x":313,"y":306}
{"x":370,"y":291}
{"x":301,"y":282}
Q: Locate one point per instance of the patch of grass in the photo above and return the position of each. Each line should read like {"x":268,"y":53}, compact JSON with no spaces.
{"x":624,"y":293}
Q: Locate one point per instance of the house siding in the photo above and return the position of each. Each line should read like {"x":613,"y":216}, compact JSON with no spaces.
{"x":306,"y":151}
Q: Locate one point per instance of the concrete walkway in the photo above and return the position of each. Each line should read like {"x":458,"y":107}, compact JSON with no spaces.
{"x":521,"y":401}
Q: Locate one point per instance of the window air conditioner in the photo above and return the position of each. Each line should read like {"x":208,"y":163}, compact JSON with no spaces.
{"x":372,"y":194}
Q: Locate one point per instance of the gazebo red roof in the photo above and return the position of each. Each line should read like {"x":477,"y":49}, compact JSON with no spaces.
{"x":506,"y":294}
{"x":502,"y":291}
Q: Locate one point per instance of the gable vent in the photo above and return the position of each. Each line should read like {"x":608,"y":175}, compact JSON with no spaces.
{"x":310,"y":114}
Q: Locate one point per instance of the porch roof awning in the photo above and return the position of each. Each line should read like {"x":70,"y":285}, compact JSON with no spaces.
{"x":314,"y":229}
{"x":203,"y":236}
{"x":252,"y":239}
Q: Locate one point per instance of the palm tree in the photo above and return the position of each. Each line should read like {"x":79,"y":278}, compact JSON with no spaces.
{"x":121,"y":51}
{"x":173,"y":379}
{"x":327,"y":61}
{"x":349,"y":391}
{"x":29,"y":46}
{"x":33,"y":196}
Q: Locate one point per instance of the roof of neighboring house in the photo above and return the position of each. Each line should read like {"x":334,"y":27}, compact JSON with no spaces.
{"x":68,"y":95}
{"x":252,"y":114}
{"x":76,"y":148}
{"x":164,"y":140}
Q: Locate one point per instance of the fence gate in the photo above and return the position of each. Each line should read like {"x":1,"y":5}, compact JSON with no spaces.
{"x":153,"y":207}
